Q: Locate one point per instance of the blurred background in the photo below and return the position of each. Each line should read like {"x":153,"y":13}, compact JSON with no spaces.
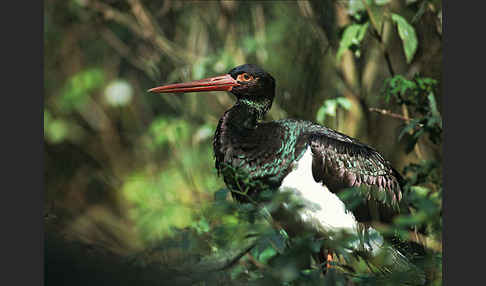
{"x":125,"y":169}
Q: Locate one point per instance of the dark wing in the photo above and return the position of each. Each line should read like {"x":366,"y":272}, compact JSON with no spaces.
{"x":340,"y":161}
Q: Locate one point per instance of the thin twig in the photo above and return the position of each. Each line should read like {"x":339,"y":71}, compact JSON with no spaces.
{"x":391,"y":114}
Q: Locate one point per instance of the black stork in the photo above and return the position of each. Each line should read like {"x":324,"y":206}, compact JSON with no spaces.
{"x":311,"y":161}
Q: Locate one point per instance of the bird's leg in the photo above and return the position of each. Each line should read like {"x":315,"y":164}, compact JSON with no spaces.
{"x":328,"y":259}
{"x":324,"y":258}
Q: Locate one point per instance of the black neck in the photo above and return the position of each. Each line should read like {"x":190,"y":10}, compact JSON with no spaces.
{"x":253,"y":108}
{"x":237,"y":122}
{"x":242,"y":116}
{"x":237,"y":125}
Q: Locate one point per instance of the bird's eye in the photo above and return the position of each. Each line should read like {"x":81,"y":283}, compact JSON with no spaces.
{"x":244,"y":77}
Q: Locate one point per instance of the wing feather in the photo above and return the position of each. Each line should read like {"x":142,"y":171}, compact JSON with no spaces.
{"x":340,"y":161}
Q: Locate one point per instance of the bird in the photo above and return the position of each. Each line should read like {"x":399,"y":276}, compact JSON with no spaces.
{"x":312,"y":162}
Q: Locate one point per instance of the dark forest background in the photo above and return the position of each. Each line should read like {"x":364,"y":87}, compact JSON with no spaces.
{"x":131,"y":193}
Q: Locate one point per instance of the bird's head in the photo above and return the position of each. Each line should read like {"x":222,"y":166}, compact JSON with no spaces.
{"x":249,"y":83}
{"x":254,"y":84}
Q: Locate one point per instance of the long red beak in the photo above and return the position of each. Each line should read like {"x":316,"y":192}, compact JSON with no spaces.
{"x":219,"y":83}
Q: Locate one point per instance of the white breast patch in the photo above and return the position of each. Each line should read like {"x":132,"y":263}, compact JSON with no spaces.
{"x":321,"y":206}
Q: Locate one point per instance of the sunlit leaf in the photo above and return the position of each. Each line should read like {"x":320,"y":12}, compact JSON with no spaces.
{"x":422,"y":191}
{"x":353,"y":35}
{"x":408,"y":36}
{"x":268,"y":253}
{"x":344,"y":102}
{"x":381,"y":2}
{"x":321,"y":115}
{"x":202,"y":226}
{"x":329,"y":108}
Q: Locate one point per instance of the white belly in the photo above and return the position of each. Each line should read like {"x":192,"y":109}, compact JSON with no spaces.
{"x":322,"y":208}
{"x":323,"y":211}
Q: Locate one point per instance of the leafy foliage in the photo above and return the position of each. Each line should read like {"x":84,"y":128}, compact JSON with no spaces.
{"x":419,"y":95}
{"x":408,"y":36}
{"x":79,"y":87}
{"x":330,"y":106}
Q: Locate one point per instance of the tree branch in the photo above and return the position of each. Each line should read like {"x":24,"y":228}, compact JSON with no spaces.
{"x":391,"y":114}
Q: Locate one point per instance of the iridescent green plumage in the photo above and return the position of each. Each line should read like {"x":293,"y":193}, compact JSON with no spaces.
{"x":251,"y":154}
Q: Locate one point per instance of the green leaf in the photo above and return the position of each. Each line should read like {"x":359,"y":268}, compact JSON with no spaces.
{"x":353,"y":34}
{"x":413,"y":123}
{"x":381,"y":2}
{"x":418,"y":133}
{"x":406,"y":220}
{"x":268,"y":253}
{"x":408,"y":36}
{"x":78,"y":88}
{"x":328,"y":108}
{"x":321,"y":114}
{"x":355,"y":6}
{"x":201,"y":226}
{"x":433,"y":108}
{"x":362,"y":31}
{"x":344,"y":102}
{"x":422,"y":191}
